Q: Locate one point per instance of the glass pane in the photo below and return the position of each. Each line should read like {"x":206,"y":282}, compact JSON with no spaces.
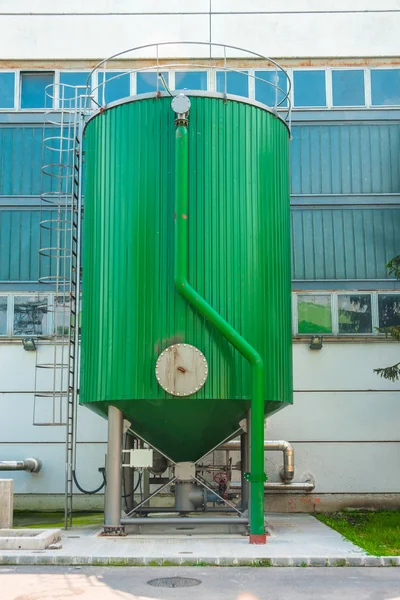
{"x":30,"y":315}
{"x":146,"y":82}
{"x":389,"y":310}
{"x":7,"y":84}
{"x":33,"y":87}
{"x":73,"y":78}
{"x":266,"y":93}
{"x":314,"y":314}
{"x":191,"y":80}
{"x":62,"y":315}
{"x":115,"y":87}
{"x":385,"y":87}
{"x":348,"y":88}
{"x":309,"y":88}
{"x":3,"y":315}
{"x":355,"y":314}
{"x":236,"y":83}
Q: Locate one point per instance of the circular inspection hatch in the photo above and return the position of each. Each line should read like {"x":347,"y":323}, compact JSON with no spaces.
{"x":174,"y":582}
{"x":181,"y":370}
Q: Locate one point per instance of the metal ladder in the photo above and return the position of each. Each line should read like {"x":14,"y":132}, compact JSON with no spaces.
{"x":61,"y":268}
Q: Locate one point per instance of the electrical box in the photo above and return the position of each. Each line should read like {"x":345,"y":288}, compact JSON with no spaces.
{"x":140,"y":458}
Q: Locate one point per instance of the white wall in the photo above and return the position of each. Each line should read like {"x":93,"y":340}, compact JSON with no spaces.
{"x":36,"y":29}
{"x":343,"y":423}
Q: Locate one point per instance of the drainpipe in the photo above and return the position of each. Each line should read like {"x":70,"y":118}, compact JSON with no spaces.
{"x":256,"y":477}
{"x":33,"y":465}
{"x":287,"y":472}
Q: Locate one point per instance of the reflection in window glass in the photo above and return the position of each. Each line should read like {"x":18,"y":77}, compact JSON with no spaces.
{"x":30,"y":315}
{"x":117,"y":85}
{"x":355,"y":313}
{"x":7,"y":84}
{"x":309,"y":88}
{"x":348,"y":87}
{"x":236,"y":83}
{"x":146,"y":82}
{"x":73,"y":78}
{"x":265,"y":92}
{"x":389,"y":310}
{"x":314,"y":313}
{"x":33,"y":90}
{"x":61,"y":315}
{"x":191,"y":80}
{"x":385,"y":87}
{"x":3,"y":315}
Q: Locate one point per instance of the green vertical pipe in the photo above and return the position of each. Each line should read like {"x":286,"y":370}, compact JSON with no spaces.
{"x":256,"y":477}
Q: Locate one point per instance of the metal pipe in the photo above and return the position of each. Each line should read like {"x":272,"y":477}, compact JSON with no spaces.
{"x":112,"y":499}
{"x":184,"y":521}
{"x":287,"y":473}
{"x":296,"y":486}
{"x":244,"y":463}
{"x":257,"y":476}
{"x":306,"y":486}
{"x":33,"y":465}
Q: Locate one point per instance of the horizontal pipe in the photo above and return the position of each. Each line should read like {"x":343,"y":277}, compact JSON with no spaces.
{"x":33,"y":465}
{"x":297,"y":486}
{"x":185,"y":521}
{"x":287,"y":473}
{"x":171,"y":510}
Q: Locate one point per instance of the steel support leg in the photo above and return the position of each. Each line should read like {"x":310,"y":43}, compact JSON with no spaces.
{"x":128,"y":474}
{"x":113,"y":500}
{"x":244,"y":460}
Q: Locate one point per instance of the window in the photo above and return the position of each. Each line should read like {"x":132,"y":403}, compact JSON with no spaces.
{"x":385,"y":87}
{"x":236,"y":83}
{"x":73,"y":78}
{"x":3,"y":315}
{"x":266,"y":93}
{"x":33,"y":90}
{"x":30,"y":315}
{"x":354,"y":313}
{"x":309,"y":88}
{"x":146,"y":82}
{"x":7,"y":84}
{"x":191,"y":80}
{"x":348,"y":87}
{"x":388,"y":310}
{"x":117,"y":86}
{"x":314,"y":313}
{"x":61,"y":315}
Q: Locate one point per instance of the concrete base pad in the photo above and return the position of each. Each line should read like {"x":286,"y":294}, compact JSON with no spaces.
{"x":28,"y":539}
{"x":294,"y":540}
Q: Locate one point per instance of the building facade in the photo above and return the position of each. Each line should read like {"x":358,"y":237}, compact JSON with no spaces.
{"x":344,"y":66}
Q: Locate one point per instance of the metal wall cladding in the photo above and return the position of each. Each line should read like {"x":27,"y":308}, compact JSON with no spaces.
{"x":20,"y":240}
{"x":350,"y":243}
{"x":346,"y":158}
{"x":239,"y":252}
{"x":22,"y":156}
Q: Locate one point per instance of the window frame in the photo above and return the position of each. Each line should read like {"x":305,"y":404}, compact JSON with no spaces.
{"x":375,"y":333}
{"x":346,"y":106}
{"x":16,"y":90}
{"x":328,"y":89}
{"x":56,"y":81}
{"x":296,"y":312}
{"x":382,"y":68}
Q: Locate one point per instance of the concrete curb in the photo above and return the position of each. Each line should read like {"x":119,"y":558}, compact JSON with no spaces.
{"x":113,"y":561}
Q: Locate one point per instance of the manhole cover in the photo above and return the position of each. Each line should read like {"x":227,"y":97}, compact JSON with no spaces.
{"x":174,"y":582}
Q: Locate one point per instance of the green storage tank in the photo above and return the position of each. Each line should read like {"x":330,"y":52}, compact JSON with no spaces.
{"x":239,"y":262}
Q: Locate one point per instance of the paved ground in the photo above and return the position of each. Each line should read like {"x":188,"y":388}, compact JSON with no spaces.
{"x":295,"y":539}
{"x":217,"y":583}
